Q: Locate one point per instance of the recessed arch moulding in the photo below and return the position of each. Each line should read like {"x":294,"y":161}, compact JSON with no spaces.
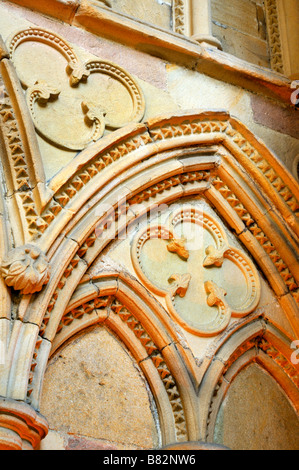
{"x":249,"y":219}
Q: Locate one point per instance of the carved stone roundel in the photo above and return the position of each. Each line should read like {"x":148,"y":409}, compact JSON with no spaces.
{"x":72,"y":102}
{"x":190,"y":263}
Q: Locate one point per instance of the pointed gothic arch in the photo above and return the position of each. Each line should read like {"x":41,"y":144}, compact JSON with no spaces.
{"x":257,"y":342}
{"x":117,"y":301}
{"x":133,"y":170}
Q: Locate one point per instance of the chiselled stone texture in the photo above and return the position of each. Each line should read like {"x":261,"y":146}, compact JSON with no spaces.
{"x":274,"y":36}
{"x":108,"y":392}
{"x":261,"y":393}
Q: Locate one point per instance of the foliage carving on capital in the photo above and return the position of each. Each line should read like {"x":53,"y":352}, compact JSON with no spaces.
{"x":26,"y":269}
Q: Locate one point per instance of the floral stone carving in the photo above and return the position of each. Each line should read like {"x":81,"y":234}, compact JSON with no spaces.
{"x":72,"y":102}
{"x":205,"y":284}
{"x":26,"y":269}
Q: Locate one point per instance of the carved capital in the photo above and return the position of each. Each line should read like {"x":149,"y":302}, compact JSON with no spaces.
{"x":21,"y":427}
{"x":26,"y":269}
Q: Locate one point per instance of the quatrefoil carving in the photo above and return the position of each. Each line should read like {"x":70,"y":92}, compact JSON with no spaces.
{"x":72,"y":102}
{"x":189,"y":262}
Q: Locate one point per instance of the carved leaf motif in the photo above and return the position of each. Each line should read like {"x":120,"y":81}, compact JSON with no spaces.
{"x":17,"y":268}
{"x":215,"y":257}
{"x":180,"y":284}
{"x":216,"y":294}
{"x":44,"y":92}
{"x":178,"y":246}
{"x":94,"y":115}
{"x":26,"y":269}
{"x":78,"y":72}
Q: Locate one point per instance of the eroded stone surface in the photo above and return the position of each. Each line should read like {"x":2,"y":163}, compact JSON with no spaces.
{"x":151,"y":11}
{"x":256,"y":415}
{"x":94,"y":388}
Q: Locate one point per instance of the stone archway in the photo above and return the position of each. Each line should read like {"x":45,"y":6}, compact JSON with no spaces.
{"x":204,"y":153}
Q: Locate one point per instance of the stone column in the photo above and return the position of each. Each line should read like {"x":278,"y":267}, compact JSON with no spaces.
{"x":193,"y":19}
{"x":201,"y":22}
{"x":21,"y":427}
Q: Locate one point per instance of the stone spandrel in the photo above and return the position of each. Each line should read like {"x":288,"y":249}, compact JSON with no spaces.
{"x":81,"y":97}
{"x":72,"y":102}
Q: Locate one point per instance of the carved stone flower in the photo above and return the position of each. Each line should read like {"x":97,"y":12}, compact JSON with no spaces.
{"x":26,"y":269}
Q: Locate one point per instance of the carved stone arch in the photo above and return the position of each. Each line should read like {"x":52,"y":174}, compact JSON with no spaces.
{"x":118,"y":302}
{"x":133,"y":170}
{"x":23,"y":169}
{"x":257,"y":342}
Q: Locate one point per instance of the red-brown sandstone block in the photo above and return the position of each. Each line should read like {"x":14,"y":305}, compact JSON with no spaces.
{"x":278,"y":118}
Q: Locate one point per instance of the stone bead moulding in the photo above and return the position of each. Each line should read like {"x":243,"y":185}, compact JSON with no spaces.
{"x":72,"y":102}
{"x":205,"y":281}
